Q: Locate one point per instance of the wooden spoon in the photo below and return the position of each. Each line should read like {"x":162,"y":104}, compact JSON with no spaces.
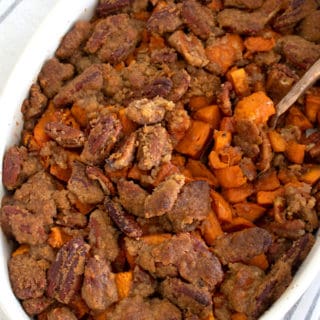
{"x":308,"y":79}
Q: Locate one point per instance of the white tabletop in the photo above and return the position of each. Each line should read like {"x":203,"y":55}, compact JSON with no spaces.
{"x":18,"y":21}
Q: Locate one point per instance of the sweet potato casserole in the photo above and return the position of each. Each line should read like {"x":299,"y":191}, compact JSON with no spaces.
{"x":149,"y":183}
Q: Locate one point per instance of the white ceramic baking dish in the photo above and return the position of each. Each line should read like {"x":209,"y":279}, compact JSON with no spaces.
{"x":40,"y":48}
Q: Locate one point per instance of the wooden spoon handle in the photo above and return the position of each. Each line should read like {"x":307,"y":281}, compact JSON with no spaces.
{"x":308,"y":79}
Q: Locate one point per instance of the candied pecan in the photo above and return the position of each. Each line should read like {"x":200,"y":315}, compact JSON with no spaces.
{"x":134,"y":308}
{"x":178,"y":122}
{"x":125,"y":222}
{"x":298,"y":251}
{"x":147,"y":111}
{"x":62,"y":201}
{"x":300,"y":204}
{"x":295,"y":11}
{"x":42,"y":252}
{"x":166,"y":19}
{"x":242,"y":245}
{"x":114,"y":38}
{"x":99,"y":289}
{"x":248,"y":168}
{"x":35,"y":104}
{"x":35,"y":306}
{"x":190,"y":47}
{"x":185,"y":295}
{"x":86,"y":190}
{"x":101,"y":140}
{"x":132,"y":197}
{"x":65,"y":273}
{"x":95,"y":173}
{"x":124,"y":156}
{"x":131,"y":308}
{"x":299,"y":52}
{"x":240,"y":285}
{"x":160,"y":87}
{"x":23,"y":225}
{"x":164,"y":55}
{"x":52,"y":76}
{"x":248,"y":137}
{"x":271,"y":288}
{"x":180,"y":84}
{"x":290,"y":229}
{"x":199,"y":18}
{"x":154,"y":147}
{"x":280,"y":80}
{"x":202,"y":83}
{"x":244,"y":22}
{"x":181,"y":255}
{"x":72,"y":219}
{"x":36,"y":195}
{"x":73,"y":39}
{"x":266,"y":153}
{"x":89,"y":81}
{"x":61,"y":313}
{"x":143,"y":284}
{"x":191,"y":207}
{"x":221,"y":306}
{"x":224,"y":101}
{"x":309,"y":28}
{"x":65,"y":135}
{"x":107,"y":7}
{"x":163,"y":196}
{"x":164,"y":310}
{"x":280,"y":275}
{"x":250,"y":4}
{"x":27,"y":276}
{"x":12,"y":167}
{"x":103,"y":237}
{"x":113,"y":81}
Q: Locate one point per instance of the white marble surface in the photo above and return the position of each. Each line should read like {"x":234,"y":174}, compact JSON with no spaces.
{"x":18,"y":21}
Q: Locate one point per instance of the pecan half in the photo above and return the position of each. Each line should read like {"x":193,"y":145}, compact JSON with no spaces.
{"x":52,"y":76}
{"x":64,"y":135}
{"x":180,"y":84}
{"x":99,"y":289}
{"x":154,"y":147}
{"x":125,"y":222}
{"x":73,"y":39}
{"x":190,"y":47}
{"x":12,"y":167}
{"x":25,"y":226}
{"x":65,"y":273}
{"x":95,"y":173}
{"x":186,"y":295}
{"x":27,"y":276}
{"x":89,"y":81}
{"x":35,"y":104}
{"x":224,"y":101}
{"x":159,"y":87}
{"x":107,"y":7}
{"x":145,"y":111}
{"x":124,"y":156}
{"x":198,"y":18}
{"x":165,"y":20}
{"x":35,"y":306}
{"x":61,"y":313}
{"x":163,"y":196}
{"x":132,"y":197}
{"x":101,"y":140}
{"x":103,"y":236}
{"x":87,"y":190}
